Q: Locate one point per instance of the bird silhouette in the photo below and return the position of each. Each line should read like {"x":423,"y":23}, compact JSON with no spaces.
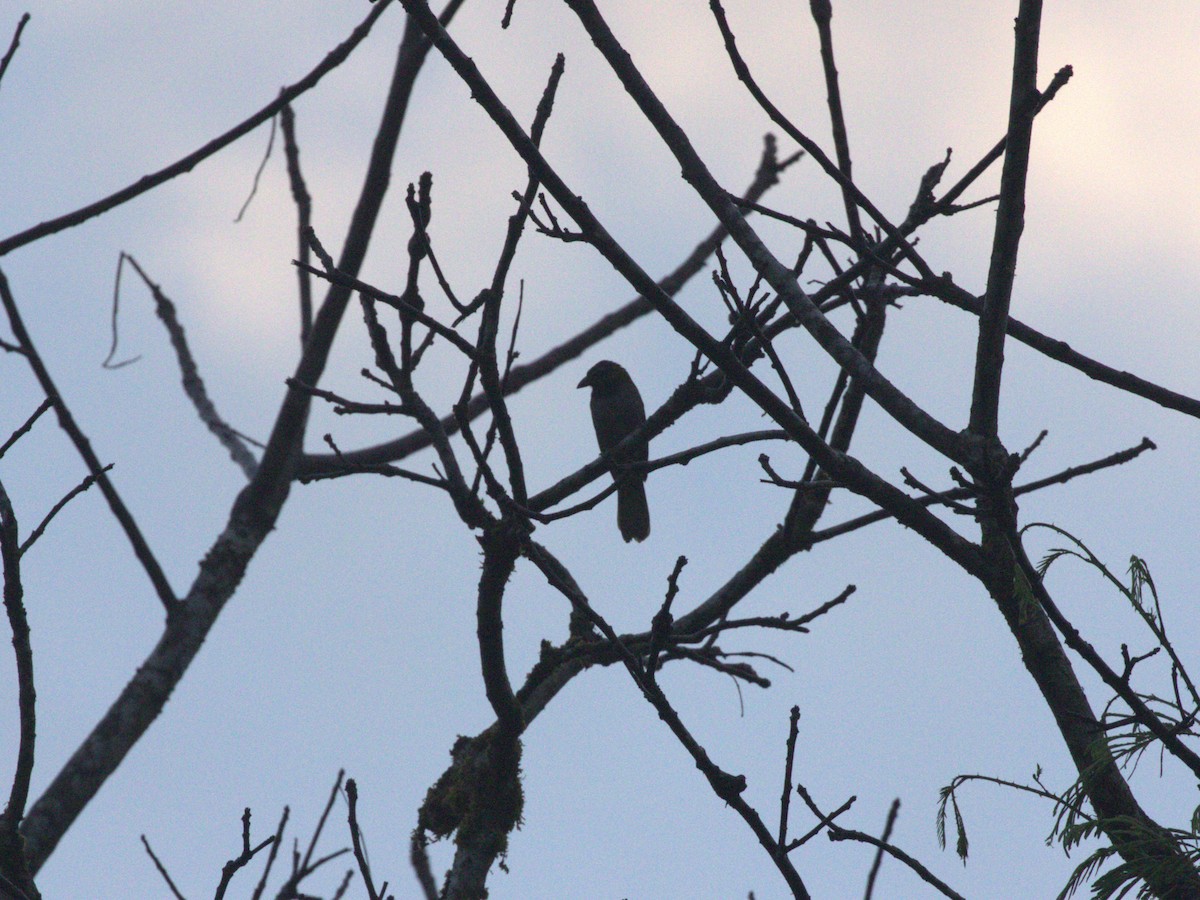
{"x":617,"y":411}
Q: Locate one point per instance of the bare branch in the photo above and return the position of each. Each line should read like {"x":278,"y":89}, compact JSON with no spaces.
{"x":840,"y":466}
{"x":12,"y":47}
{"x":24,"y":428}
{"x":789,"y":757}
{"x":352,"y":798}
{"x":1062,"y":477}
{"x":193,"y":384}
{"x":54,"y":510}
{"x":251,"y":519}
{"x":162,"y":870}
{"x":522,"y":375}
{"x":261,"y":168}
{"x":67,"y":422}
{"x":1010,"y":222}
{"x":303,"y":201}
{"x":1061,"y":351}
{"x":339,"y":278}
{"x":248,"y":853}
{"x":13,"y":864}
{"x":334,"y":59}
{"x":883,"y":842}
{"x":822,"y":13}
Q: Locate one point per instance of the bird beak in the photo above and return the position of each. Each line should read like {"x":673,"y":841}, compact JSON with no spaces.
{"x":584,"y":383}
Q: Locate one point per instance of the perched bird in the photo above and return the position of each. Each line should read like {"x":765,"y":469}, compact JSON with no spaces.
{"x":617,"y":411}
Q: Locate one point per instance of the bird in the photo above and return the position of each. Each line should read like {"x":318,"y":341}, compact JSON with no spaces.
{"x":617,"y":411}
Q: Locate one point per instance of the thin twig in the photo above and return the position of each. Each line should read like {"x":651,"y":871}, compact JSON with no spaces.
{"x":356,"y":838}
{"x":883,"y":840}
{"x":193,"y":384}
{"x":303,"y":201}
{"x":87,"y":482}
{"x":1061,"y":477}
{"x":539,"y":503}
{"x":789,"y":758}
{"x":822,"y":13}
{"x":271,"y":857}
{"x":335,"y":276}
{"x":236,"y":864}
{"x":837,"y":833}
{"x":261,"y":168}
{"x":726,"y":786}
{"x":1062,"y":352}
{"x":1061,"y":77}
{"x":24,"y":429}
{"x":333,"y":59}
{"x":67,"y":422}
{"x":162,"y":870}
{"x":12,"y":47}
{"x":812,"y":148}
{"x":114,"y":321}
{"x":489,"y":375}
{"x":520,"y":376}
{"x":333,"y":795}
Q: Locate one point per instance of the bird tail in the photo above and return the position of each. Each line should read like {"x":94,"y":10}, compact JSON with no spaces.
{"x":633,"y":513}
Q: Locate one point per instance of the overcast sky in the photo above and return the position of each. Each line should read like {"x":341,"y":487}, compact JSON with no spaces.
{"x":351,"y":642}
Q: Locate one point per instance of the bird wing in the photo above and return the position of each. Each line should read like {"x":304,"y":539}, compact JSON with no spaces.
{"x":615,"y":416}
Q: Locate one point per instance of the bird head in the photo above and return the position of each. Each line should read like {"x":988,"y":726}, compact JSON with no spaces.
{"x":605,"y":377}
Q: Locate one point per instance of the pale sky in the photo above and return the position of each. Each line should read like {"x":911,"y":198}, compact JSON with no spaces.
{"x":351,"y":643}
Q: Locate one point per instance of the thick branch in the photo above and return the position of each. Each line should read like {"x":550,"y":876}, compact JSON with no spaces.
{"x":1010,"y":222}
{"x":845,"y":468}
{"x":13,"y":865}
{"x":1062,"y":352}
{"x":251,"y":519}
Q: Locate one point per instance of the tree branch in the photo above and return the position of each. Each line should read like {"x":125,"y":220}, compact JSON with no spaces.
{"x":335,"y":58}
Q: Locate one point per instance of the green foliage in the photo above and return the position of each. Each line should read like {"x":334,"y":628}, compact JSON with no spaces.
{"x":947,"y":794}
{"x":1124,"y":876}
{"x":1124,"y":741}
